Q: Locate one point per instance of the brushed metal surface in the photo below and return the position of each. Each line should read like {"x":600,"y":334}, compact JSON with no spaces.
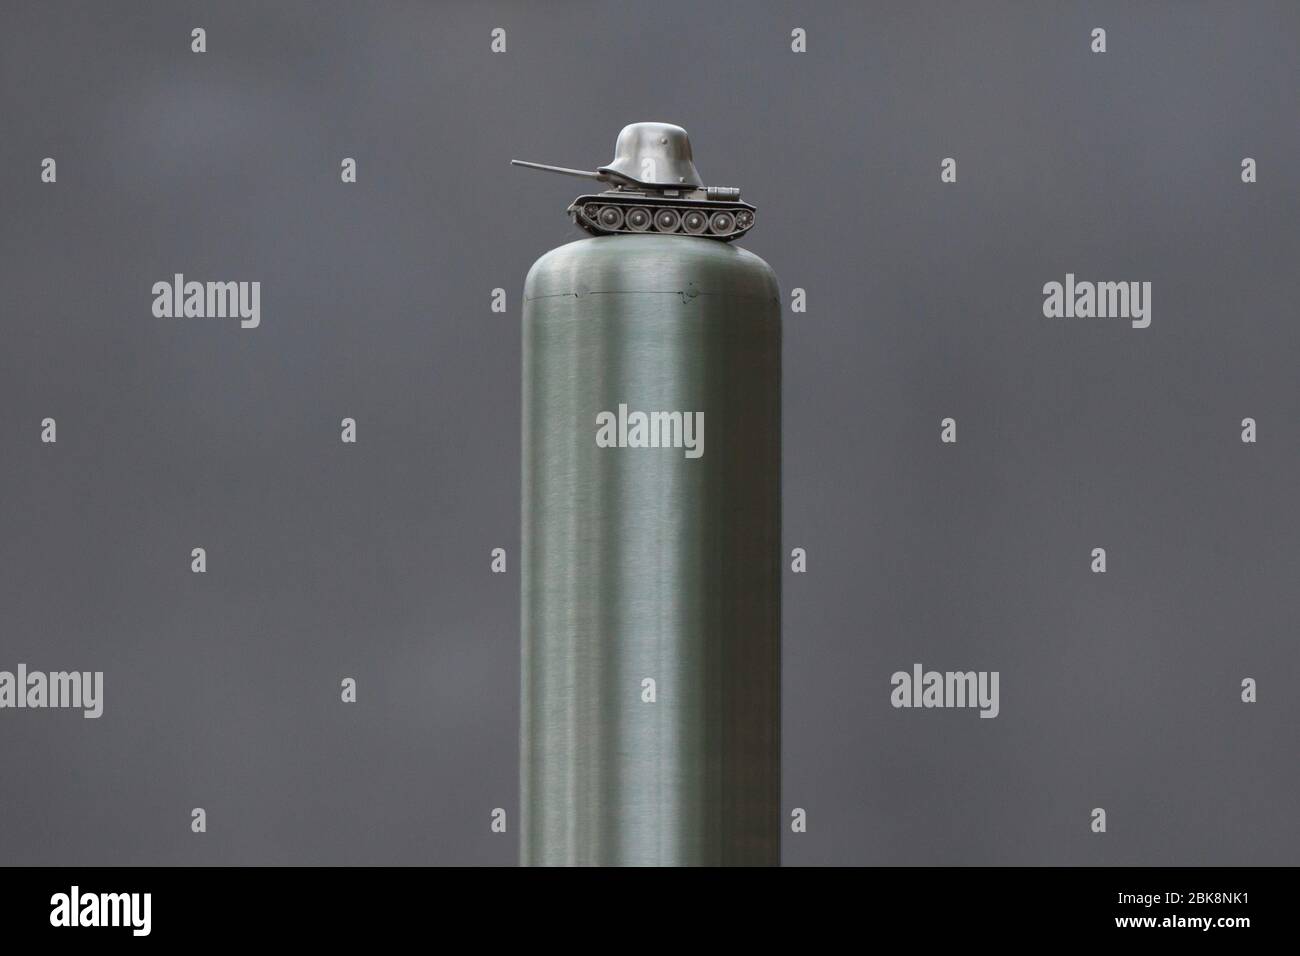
{"x":641,"y":563}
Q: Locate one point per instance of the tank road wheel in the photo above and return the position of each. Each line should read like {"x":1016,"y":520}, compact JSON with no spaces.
{"x":695,"y":222}
{"x":667,"y":220}
{"x":722,"y":223}
{"x":638,"y":219}
{"x":611,"y":217}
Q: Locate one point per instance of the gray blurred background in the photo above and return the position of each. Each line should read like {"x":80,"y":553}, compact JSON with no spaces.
{"x":371,"y":560}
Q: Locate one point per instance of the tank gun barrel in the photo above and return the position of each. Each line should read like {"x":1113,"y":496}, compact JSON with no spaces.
{"x":601,"y":176}
{"x":585,"y":174}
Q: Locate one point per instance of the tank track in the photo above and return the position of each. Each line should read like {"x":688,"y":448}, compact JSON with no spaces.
{"x":613,"y":214}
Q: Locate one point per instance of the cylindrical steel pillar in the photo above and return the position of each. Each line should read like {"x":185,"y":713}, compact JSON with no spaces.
{"x":651,"y":564}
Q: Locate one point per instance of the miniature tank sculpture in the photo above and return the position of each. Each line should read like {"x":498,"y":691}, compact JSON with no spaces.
{"x":656,"y":190}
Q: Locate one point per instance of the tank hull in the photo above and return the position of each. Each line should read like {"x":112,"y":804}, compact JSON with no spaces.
{"x":642,"y":563}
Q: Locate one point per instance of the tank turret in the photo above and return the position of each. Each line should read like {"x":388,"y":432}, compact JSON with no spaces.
{"x":655,"y":189}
